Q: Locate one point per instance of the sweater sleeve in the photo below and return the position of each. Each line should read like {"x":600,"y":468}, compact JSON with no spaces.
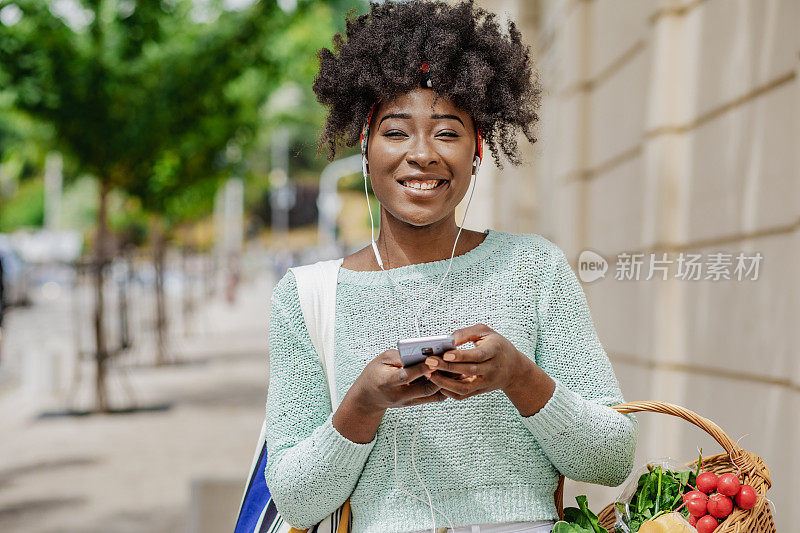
{"x":582,"y":436}
{"x":311,"y":468}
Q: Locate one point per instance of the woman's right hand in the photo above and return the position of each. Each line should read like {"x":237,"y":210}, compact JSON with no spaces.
{"x":383,"y":383}
{"x":386,"y":383}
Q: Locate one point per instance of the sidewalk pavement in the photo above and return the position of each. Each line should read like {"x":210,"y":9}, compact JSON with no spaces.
{"x":134,"y":472}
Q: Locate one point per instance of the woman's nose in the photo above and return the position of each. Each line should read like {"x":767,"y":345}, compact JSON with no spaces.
{"x":422,"y":152}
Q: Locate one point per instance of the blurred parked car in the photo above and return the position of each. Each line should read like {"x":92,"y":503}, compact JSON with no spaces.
{"x":15,"y":274}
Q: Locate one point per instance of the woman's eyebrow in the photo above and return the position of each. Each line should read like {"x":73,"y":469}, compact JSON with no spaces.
{"x":406,"y":115}
{"x":394,"y":115}
{"x":448,"y":116}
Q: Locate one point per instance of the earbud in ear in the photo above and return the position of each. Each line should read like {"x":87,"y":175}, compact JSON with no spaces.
{"x":476,"y":164}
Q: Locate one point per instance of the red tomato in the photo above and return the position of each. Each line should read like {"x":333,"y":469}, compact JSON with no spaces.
{"x":728,"y":484}
{"x":706,"y":524}
{"x":719,"y":505}
{"x":707,"y":482}
{"x":746,"y":499}
{"x":694,"y":494}
{"x":697,"y":507}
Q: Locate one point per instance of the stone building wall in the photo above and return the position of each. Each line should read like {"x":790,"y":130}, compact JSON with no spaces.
{"x":669,"y":128}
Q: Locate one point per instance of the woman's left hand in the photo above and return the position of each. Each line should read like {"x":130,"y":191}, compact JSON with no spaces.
{"x":494,"y":363}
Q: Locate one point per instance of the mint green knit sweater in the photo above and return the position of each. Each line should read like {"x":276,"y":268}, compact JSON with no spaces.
{"x":482,"y":461}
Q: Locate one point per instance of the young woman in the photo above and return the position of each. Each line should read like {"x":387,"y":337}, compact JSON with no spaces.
{"x":526,"y":394}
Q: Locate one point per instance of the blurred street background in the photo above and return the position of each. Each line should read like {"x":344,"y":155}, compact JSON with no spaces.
{"x":158,"y":174}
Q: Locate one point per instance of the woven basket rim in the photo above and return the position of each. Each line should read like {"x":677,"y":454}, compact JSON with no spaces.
{"x":741,"y":459}
{"x":750,"y":465}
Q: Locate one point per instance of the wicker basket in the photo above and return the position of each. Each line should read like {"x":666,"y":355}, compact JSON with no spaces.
{"x":753,"y":470}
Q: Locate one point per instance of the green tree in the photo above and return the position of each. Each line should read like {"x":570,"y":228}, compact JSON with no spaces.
{"x":191,"y":162}
{"x":143,"y":96}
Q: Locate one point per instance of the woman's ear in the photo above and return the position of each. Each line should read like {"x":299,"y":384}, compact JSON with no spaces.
{"x":476,"y":165}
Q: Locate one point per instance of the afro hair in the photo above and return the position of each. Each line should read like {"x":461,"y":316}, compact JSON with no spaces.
{"x":471,"y":61}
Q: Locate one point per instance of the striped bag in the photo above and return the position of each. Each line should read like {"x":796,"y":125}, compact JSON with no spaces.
{"x":316,"y":288}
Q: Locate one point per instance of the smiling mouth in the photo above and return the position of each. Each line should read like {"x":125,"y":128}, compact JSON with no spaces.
{"x":423,"y":184}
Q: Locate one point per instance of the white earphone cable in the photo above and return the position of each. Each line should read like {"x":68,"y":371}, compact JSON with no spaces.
{"x":416,"y":325}
{"x":452,"y":253}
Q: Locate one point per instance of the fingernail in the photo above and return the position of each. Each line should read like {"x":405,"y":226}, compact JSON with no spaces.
{"x":449,"y":356}
{"x":431,"y":362}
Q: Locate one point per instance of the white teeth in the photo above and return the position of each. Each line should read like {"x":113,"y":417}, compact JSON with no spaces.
{"x":421,"y":184}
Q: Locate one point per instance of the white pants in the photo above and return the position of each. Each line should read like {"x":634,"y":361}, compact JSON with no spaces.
{"x":541,"y":526}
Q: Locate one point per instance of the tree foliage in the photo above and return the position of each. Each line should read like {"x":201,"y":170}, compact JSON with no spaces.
{"x":146,"y":97}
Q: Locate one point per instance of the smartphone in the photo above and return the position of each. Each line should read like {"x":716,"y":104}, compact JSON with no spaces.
{"x":415,"y":350}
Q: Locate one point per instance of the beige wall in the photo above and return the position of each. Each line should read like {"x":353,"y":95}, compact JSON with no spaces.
{"x":675,"y":127}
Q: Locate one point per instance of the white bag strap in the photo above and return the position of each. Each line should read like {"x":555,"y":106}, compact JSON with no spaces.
{"x":316,"y":289}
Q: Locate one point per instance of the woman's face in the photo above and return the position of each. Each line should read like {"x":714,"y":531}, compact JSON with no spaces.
{"x":413,"y":147}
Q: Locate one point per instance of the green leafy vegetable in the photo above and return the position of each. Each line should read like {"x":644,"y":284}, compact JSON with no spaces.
{"x":564,"y":527}
{"x":699,"y":463}
{"x":658,"y":491}
{"x":579,"y":519}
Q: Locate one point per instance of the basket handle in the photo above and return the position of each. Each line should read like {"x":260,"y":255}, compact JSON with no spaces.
{"x":738,"y":456}
{"x":681,"y":412}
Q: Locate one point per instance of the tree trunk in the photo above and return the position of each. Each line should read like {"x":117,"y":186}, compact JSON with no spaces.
{"x":209,"y":275}
{"x":101,"y":352}
{"x":187,"y":307}
{"x":122,"y":305}
{"x":161,"y":312}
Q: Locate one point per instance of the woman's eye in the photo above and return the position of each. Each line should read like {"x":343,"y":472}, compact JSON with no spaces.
{"x":401,"y":134}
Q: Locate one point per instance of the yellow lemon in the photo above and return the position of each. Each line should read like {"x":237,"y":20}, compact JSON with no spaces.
{"x":653,"y":527}
{"x":674,"y":523}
